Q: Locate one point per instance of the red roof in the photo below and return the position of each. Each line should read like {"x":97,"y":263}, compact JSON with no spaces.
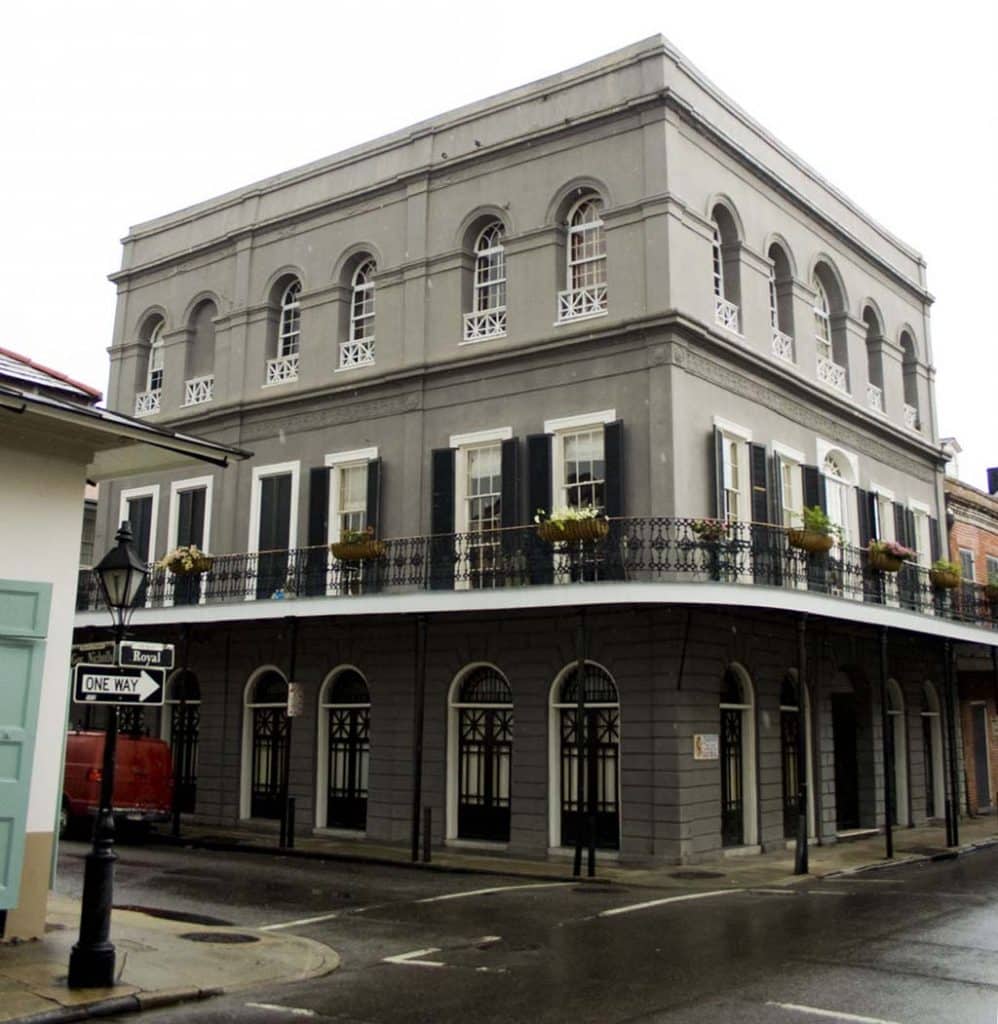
{"x":54,"y":374}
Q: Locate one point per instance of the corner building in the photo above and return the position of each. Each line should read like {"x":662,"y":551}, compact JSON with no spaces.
{"x":609,"y":288}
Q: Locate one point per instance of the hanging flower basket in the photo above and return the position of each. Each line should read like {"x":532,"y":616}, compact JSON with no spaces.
{"x":884,"y":562}
{"x":812,"y":541}
{"x":555,"y":530}
{"x":188,"y":560}
{"x":358,"y":550}
{"x":711,"y":531}
{"x":944,"y":579}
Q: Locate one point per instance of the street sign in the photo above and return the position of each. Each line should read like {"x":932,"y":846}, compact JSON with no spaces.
{"x":100,"y":653}
{"x":109,"y":684}
{"x":133,"y":654}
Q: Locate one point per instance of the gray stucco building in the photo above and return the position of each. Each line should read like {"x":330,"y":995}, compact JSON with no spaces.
{"x":610,"y":289}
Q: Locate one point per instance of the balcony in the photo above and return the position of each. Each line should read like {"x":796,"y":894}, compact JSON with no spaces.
{"x":725,"y":314}
{"x":875,"y":398}
{"x":783,"y":346}
{"x":832,"y":375}
{"x":199,"y":390}
{"x":910,"y":416}
{"x":647,"y":550}
{"x":356,"y":353}
{"x":581,"y":303}
{"x":489,"y":323}
{"x":282,"y":370}
{"x":147,"y":402}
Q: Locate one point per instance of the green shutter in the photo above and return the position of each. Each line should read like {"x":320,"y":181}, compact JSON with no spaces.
{"x":24,"y":614}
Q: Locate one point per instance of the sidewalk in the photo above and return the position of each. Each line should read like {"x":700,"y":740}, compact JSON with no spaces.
{"x":154,"y":954}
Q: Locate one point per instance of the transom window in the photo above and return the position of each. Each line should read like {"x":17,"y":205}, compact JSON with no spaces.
{"x":362,"y":302}
{"x":586,"y":245}
{"x":822,"y":320}
{"x":585,"y":468}
{"x":289,"y":333}
{"x":155,"y":376}
{"x":490,"y":269}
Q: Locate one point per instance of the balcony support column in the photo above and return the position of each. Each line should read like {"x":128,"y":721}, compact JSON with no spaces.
{"x":800,"y":851}
{"x":953,"y":792}
{"x":417,"y":734}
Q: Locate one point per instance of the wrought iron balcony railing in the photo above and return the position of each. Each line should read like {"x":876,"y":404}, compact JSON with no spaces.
{"x":647,"y":550}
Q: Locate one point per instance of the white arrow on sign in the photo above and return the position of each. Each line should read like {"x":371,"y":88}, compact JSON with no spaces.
{"x":143,"y":685}
{"x":146,"y":686}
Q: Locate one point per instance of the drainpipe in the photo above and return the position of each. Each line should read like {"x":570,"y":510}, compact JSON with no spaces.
{"x":888,"y":745}
{"x":184,"y":669}
{"x":800,"y":852}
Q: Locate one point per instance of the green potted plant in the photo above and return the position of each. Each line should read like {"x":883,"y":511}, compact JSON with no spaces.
{"x":945,"y":575}
{"x":584,"y":522}
{"x":186,"y":560}
{"x":991,"y":588}
{"x":888,"y":555}
{"x":711,"y":531}
{"x":816,"y":534}
{"x":358,"y":546}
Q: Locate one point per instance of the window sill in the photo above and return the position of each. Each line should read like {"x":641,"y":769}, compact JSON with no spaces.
{"x":354,"y":366}
{"x":478,"y":341}
{"x":280,"y":383}
{"x":581,"y":316}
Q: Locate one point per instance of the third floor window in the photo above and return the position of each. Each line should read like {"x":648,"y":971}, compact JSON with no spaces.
{"x":289,"y":333}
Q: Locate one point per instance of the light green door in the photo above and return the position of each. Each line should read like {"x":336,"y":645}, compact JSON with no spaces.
{"x":24,"y":615}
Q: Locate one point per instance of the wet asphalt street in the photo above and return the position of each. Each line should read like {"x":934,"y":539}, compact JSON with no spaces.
{"x":915,"y":944}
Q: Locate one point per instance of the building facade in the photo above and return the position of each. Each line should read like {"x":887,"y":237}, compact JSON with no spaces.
{"x":609,"y":290}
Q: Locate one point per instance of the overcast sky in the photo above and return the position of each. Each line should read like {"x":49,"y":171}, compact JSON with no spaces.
{"x":116,"y":112}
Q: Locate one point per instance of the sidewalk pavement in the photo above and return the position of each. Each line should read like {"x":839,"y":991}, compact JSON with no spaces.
{"x":154,"y":953}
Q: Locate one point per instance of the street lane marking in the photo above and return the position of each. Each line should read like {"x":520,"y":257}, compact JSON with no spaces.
{"x":662,"y":902}
{"x":295,"y":1011}
{"x":487,"y":892}
{"x":831,"y":1014}
{"x":413,"y":958}
{"x":826,"y":892}
{"x":332,"y":915}
{"x":774,"y":892}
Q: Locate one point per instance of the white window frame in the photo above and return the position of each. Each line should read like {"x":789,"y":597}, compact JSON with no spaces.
{"x":337,"y":462}
{"x":289,"y":325}
{"x":151,"y":490}
{"x":178,"y":487}
{"x":246,"y":754}
{"x":742,"y":436}
{"x":256,"y":487}
{"x":790,"y":457}
{"x":362,"y":325}
{"x":822,"y":320}
{"x":923,"y":531}
{"x":484,"y":255}
{"x":155,"y":356}
{"x":559,"y":429}
{"x":965,"y":561}
{"x":593,"y":295}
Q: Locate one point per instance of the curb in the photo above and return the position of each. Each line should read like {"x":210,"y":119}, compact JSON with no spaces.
{"x":120,"y":1004}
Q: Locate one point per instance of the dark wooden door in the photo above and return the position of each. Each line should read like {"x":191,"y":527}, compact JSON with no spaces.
{"x":140,"y":520}
{"x":846,"y":773}
{"x":270,"y":737}
{"x":185,"y":724}
{"x":982,"y":787}
{"x":190,"y":530}
{"x":600,"y":773}
{"x":486,"y":751}
{"x":274,"y":534}
{"x":349,"y":753}
{"x":732,"y":795}
{"x":789,"y":747}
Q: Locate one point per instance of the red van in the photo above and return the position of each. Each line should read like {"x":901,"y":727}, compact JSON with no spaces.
{"x":143,"y":779}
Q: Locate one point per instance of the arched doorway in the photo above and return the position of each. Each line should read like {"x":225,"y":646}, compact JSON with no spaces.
{"x":737,"y":748}
{"x":601,"y":757}
{"x":481,"y":755}
{"x":265,"y":740}
{"x":181,"y":725}
{"x":344,"y":751}
{"x":897,"y":770}
{"x":932,"y":752}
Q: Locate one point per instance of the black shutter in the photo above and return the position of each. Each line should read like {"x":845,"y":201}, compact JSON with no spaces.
{"x":373,"y":512}
{"x":613,"y":440}
{"x":900,"y":524}
{"x":442,"y":554}
{"x":934,"y":545}
{"x":761,"y":534}
{"x":814,"y":488}
{"x":776,"y":490}
{"x":719,"y":474}
{"x":864,"y":517}
{"x":190,"y":517}
{"x":909,"y":528}
{"x":539,"y":491}
{"x":611,"y":565}
{"x":510,"y":483}
{"x":317,"y":558}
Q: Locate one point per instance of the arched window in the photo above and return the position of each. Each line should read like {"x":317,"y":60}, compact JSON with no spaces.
{"x":147,"y":402}
{"x":909,"y":368}
{"x":897,"y":770}
{"x":781,"y":303}
{"x":830,"y":339}
{"x":481,"y":755}
{"x":265,"y":739}
{"x":488,"y":316}
{"x":359,"y":350}
{"x":181,"y":725}
{"x":724,"y":268}
{"x":585,"y":277}
{"x":344,"y":751}
{"x":737,"y":750}
{"x":874,"y":360}
{"x":932,"y":752}
{"x":600,"y":757}
{"x":839,"y":493}
{"x":199,"y":375}
{"x":283,"y":367}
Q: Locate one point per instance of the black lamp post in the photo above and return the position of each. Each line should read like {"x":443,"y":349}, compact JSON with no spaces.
{"x":91,"y":964}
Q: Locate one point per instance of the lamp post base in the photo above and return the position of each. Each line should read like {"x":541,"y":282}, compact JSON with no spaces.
{"x":92,"y":967}
{"x":91,"y":962}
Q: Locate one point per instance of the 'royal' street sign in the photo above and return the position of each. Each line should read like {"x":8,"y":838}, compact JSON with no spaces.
{"x":107,"y":684}
{"x":133,"y":654}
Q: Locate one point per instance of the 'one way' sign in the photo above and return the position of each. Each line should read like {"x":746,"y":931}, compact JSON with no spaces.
{"x":108,"y":684}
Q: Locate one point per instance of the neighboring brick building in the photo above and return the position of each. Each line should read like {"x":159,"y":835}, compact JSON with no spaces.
{"x":972,"y":518}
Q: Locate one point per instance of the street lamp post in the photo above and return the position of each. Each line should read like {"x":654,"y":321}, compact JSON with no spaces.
{"x":91,"y":963}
